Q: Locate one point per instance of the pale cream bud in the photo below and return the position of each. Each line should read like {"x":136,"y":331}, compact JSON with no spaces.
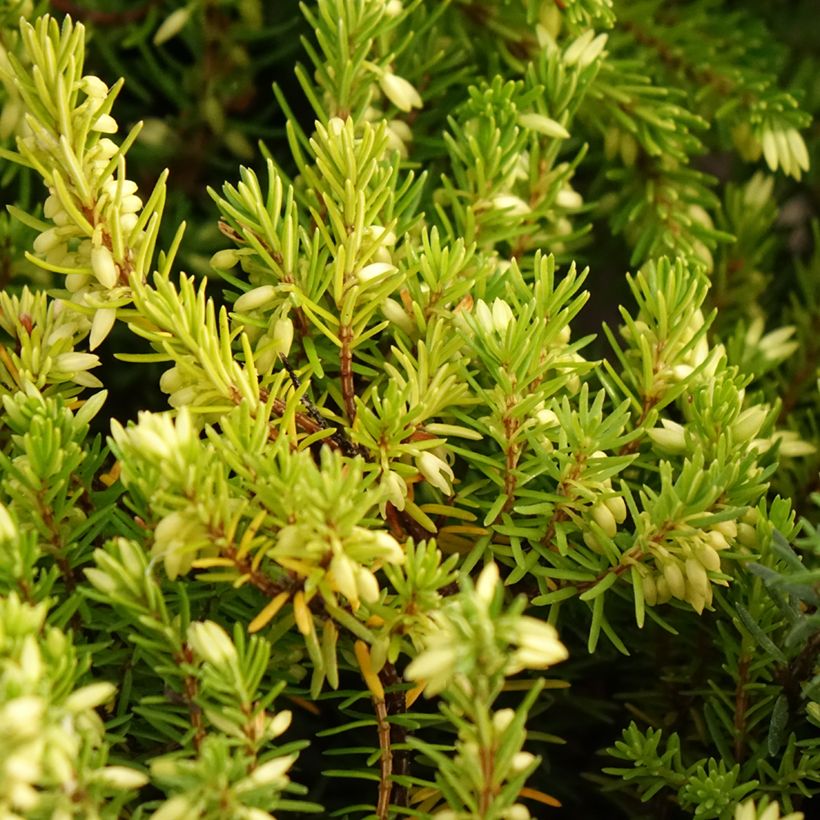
{"x":171,"y":380}
{"x":569,"y":199}
{"x":708,"y":556}
{"x":173,"y":24}
{"x":254,"y":299}
{"x":75,"y":362}
{"x":90,"y":697}
{"x":374,"y":272}
{"x":395,"y":313}
{"x":47,"y":240}
{"x":105,"y":124}
{"x":502,"y":720}
{"x":487,"y":582}
{"x":399,"y":91}
{"x":502,"y":315}
{"x":119,"y":777}
{"x":104,"y":319}
{"x":437,"y":471}
{"x":543,"y":125}
{"x":650,"y":592}
{"x":280,"y":723}
{"x":716,"y":539}
{"x":747,"y":425}
{"x":211,"y":642}
{"x":225,"y":259}
{"x":674,"y":578}
{"x":670,"y":438}
{"x":617,"y":506}
{"x":367,"y":585}
{"x":696,"y":576}
{"x":510,"y":204}
{"x":94,"y":87}
{"x":521,"y":761}
{"x":605,"y":519}
{"x":104,"y":267}
{"x":344,"y":577}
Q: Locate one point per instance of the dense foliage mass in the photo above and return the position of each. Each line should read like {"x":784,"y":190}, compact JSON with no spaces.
{"x":346,"y":485}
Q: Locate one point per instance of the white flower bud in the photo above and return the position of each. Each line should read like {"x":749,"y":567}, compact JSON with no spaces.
{"x":389,"y":549}
{"x":344,"y":577}
{"x":396,"y":489}
{"x":104,"y":319}
{"x":502,"y":720}
{"x":177,"y":808}
{"x":104,"y":267}
{"x":510,"y":204}
{"x":716,"y":539}
{"x":211,"y":642}
{"x":173,"y":24}
{"x":697,"y":577}
{"x":374,"y":272}
{"x":518,"y":811}
{"x":569,"y":199}
{"x":269,"y":773}
{"x":8,"y":530}
{"x":367,"y":585}
{"x":130,"y":204}
{"x":708,"y":556}
{"x":280,"y":723}
{"x":75,"y":362}
{"x":94,"y":87}
{"x":727,"y":528}
{"x":585,"y":49}
{"x":392,"y":8}
{"x":617,"y":506}
{"x":674,"y":578}
{"x":120,"y":777}
{"x":650,"y":592}
{"x":47,"y":240}
{"x":254,"y":299}
{"x":399,"y":91}
{"x":543,"y":125}
{"x":51,"y":206}
{"x":521,"y":761}
{"x":483,"y":316}
{"x":105,"y":124}
{"x":502,"y":315}
{"x":395,"y":313}
{"x":437,"y":471}
{"x":791,"y":445}
{"x":90,"y":697}
{"x":487,"y":582}
{"x":547,"y":417}
{"x":225,"y":259}
{"x":670,"y":438}
{"x":747,"y":425}
{"x":776,"y":345}
{"x":605,"y":519}
{"x":283,"y":335}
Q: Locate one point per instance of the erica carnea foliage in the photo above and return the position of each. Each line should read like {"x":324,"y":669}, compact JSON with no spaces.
{"x":441,"y":502}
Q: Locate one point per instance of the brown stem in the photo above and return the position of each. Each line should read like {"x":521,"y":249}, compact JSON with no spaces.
{"x":386,"y":760}
{"x":189,"y":693}
{"x":400,"y":760}
{"x":485,"y":800}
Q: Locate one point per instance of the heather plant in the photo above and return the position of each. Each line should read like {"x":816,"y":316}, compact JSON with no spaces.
{"x":346,"y":469}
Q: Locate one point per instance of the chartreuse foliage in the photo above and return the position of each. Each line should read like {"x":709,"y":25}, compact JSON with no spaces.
{"x":399,"y":478}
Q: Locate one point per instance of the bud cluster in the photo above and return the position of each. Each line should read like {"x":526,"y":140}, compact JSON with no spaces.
{"x":681,"y":568}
